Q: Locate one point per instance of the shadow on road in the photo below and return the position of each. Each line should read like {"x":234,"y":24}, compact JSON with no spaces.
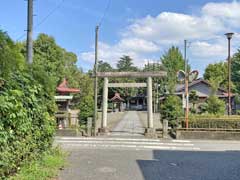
{"x":184,"y":165}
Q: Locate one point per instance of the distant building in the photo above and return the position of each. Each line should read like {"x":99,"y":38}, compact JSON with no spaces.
{"x":203,"y":90}
{"x":138,"y":102}
{"x":65,"y":116}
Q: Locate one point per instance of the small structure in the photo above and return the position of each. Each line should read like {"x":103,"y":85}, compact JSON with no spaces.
{"x":138,"y":102}
{"x":65,"y":116}
{"x":117,"y":102}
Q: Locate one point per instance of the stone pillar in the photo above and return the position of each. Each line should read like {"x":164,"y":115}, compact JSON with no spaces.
{"x":104,"y":128}
{"x":149,"y":102}
{"x":149,"y":131}
{"x":89,"y":126}
{"x":165,"y":128}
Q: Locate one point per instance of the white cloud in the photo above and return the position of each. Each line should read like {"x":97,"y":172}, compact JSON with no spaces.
{"x":147,"y":37}
{"x":137,"y":45}
{"x":111,"y":54}
{"x":171,"y":28}
{"x":203,"y":49}
{"x":229,"y":13}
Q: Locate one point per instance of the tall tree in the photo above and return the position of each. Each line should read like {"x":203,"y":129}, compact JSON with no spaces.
{"x":217,"y":74}
{"x":11,"y":58}
{"x":173,"y":61}
{"x":104,"y":67}
{"x":126,"y":64}
{"x":236,"y":71}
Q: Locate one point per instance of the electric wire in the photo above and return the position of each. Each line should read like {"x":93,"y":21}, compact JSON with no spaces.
{"x":105,"y":13}
{"x":43,"y":19}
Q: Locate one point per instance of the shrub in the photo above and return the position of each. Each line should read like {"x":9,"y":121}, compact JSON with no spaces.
{"x":171,"y":109}
{"x":26,"y":121}
{"x":215,"y":105}
{"x":213,"y":121}
{"x":86,"y":109}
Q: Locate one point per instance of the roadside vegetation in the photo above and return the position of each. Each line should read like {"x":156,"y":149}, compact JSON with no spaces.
{"x":45,"y":168}
{"x":27,"y":105}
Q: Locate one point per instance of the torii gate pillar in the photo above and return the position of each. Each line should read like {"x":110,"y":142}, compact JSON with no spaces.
{"x":149,"y":131}
{"x":104,"y":129}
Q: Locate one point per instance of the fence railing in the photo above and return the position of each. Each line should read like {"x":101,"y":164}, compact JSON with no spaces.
{"x":219,"y":123}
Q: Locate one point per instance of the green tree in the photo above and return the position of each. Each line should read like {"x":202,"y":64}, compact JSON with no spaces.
{"x":173,"y":61}
{"x":126,"y":64}
{"x":193,"y":98}
{"x":49,"y":56}
{"x":217,"y":72}
{"x":154,"y":67}
{"x":104,"y":67}
{"x":84,"y":100}
{"x":171,"y":109}
{"x":236,"y":71}
{"x":215,"y":106}
{"x":11,"y":58}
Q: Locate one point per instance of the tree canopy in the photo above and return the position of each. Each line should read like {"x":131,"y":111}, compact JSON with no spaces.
{"x":217,"y":73}
{"x":173,"y":61}
{"x":11,"y":58}
{"x":236,"y":71}
{"x":126,"y":64}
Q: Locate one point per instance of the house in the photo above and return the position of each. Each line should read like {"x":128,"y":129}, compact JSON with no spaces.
{"x":203,"y":91}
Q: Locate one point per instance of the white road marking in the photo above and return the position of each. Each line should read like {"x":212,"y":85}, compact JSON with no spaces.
{"x":125,"y":142}
{"x":181,"y":141}
{"x":107,"y":138}
{"x":133,"y":146}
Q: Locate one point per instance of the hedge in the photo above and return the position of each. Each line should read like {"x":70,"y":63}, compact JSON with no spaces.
{"x":26,"y":121}
{"x":219,"y":122}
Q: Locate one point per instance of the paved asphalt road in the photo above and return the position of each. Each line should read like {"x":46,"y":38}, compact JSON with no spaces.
{"x":137,"y":158}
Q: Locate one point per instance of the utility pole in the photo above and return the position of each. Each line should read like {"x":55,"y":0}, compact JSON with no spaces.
{"x":95,"y":82}
{"x":186,"y":83}
{"x":30,"y":32}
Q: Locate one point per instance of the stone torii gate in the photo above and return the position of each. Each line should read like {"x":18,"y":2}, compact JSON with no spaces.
{"x":149,"y":131}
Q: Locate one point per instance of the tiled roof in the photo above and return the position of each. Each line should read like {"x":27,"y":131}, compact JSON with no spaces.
{"x":63,"y":88}
{"x":116,"y":97}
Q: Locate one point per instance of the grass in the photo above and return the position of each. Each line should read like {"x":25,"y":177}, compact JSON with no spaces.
{"x":43,"y":169}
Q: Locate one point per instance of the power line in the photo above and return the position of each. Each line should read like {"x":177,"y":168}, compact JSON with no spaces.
{"x":105,"y":12}
{"x":44,"y":19}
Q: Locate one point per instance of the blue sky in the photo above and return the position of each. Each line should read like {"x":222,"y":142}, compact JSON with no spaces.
{"x":142,"y":29}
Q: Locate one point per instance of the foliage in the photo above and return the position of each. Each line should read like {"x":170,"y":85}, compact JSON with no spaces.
{"x":44,"y":168}
{"x":53,"y":61}
{"x":86,"y":108}
{"x":154,"y":67}
{"x":173,"y":61}
{"x":11,"y":58}
{"x":171,"y":109}
{"x":213,"y":121}
{"x":85,"y":98}
{"x":27,"y":125}
{"x":217,"y":73}
{"x":126,"y":64}
{"x":215,"y":105}
{"x":104,"y":67}
{"x":235,"y":71}
{"x":193,"y":98}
